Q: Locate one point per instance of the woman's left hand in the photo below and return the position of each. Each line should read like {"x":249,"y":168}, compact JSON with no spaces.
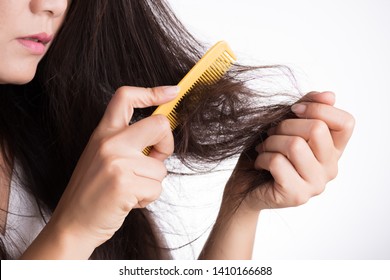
{"x":301,"y":154}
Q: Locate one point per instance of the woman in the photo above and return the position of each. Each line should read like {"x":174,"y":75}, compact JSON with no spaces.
{"x":68,"y":146}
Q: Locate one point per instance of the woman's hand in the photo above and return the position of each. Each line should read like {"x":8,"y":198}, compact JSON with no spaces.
{"x":301,"y":154}
{"x":113,"y":176}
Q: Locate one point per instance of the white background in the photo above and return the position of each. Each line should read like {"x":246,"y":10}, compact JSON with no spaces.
{"x":341,"y":46}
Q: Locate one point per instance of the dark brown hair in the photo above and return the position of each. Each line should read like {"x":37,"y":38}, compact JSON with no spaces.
{"x":103,"y":45}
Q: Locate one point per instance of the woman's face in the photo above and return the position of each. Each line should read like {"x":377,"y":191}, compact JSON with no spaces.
{"x":27,"y":28}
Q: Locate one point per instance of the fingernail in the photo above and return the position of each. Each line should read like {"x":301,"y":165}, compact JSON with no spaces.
{"x":171,"y":90}
{"x":298,"y":108}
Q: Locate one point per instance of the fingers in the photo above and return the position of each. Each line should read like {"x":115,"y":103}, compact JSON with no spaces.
{"x":143,"y":192}
{"x":315,"y":132}
{"x":289,"y":189}
{"x":302,"y":154}
{"x":296,"y":150}
{"x":148,"y":167}
{"x":131,"y":182}
{"x":280,"y":167}
{"x":120,"y":109}
{"x":340,"y":123}
{"x":152,"y":131}
{"x":112,"y":175}
{"x":326,"y":97}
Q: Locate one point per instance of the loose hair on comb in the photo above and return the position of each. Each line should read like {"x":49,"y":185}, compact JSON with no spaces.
{"x":206,"y":72}
{"x":101,"y":46}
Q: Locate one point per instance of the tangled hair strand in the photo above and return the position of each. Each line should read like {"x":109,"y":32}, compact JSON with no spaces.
{"x":102,"y":46}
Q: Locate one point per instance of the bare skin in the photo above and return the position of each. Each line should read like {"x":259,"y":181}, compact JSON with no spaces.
{"x":23,"y":19}
{"x":93,"y":207}
{"x":301,"y":154}
{"x":113,"y":176}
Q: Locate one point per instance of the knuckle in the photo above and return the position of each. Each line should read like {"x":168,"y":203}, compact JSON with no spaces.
{"x":318,"y":129}
{"x":333,"y":171}
{"x":114,"y":170}
{"x":105,"y":147}
{"x":153,"y":193}
{"x":162,"y":122}
{"x":276,"y":161}
{"x":127,"y":206}
{"x":317,"y":186}
{"x":349,"y":122}
{"x":122,"y":92}
{"x":300,"y":198}
{"x":319,"y":190}
{"x":296,"y":145}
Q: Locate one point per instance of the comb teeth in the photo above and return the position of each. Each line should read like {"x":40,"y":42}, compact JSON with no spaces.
{"x":211,"y":76}
{"x":207,"y":71}
{"x":147,"y":150}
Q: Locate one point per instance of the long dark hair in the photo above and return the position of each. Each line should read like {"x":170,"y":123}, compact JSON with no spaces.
{"x":103,"y":45}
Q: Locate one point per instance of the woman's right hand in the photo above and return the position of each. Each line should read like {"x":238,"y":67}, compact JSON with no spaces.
{"x":113,"y":176}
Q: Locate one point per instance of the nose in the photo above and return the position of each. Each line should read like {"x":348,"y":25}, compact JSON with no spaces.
{"x":55,"y":8}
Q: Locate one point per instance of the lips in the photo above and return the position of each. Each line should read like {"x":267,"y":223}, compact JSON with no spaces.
{"x":36,"y":43}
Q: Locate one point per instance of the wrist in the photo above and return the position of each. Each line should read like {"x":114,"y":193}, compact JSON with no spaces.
{"x":235,"y":210}
{"x":72,"y":242}
{"x":234,"y":232}
{"x":57,"y":243}
{"x":240,"y":203}
{"x":245,"y":211}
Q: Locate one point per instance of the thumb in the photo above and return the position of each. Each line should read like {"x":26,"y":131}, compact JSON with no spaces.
{"x":121,"y":107}
{"x":326,"y":97}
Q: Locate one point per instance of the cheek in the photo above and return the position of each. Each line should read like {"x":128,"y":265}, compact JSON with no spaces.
{"x":57,"y":23}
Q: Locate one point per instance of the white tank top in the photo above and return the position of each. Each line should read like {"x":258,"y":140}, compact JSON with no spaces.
{"x":24,"y":220}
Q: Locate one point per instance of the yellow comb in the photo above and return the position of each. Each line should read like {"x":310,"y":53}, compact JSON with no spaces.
{"x":207,"y":71}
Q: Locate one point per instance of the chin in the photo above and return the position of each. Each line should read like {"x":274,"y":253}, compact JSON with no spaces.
{"x":18,"y":70}
{"x":22,"y":81}
{"x":17,"y":77}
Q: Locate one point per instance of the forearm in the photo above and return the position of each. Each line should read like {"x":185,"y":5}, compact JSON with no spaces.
{"x":52,"y":244}
{"x":233,"y":235}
